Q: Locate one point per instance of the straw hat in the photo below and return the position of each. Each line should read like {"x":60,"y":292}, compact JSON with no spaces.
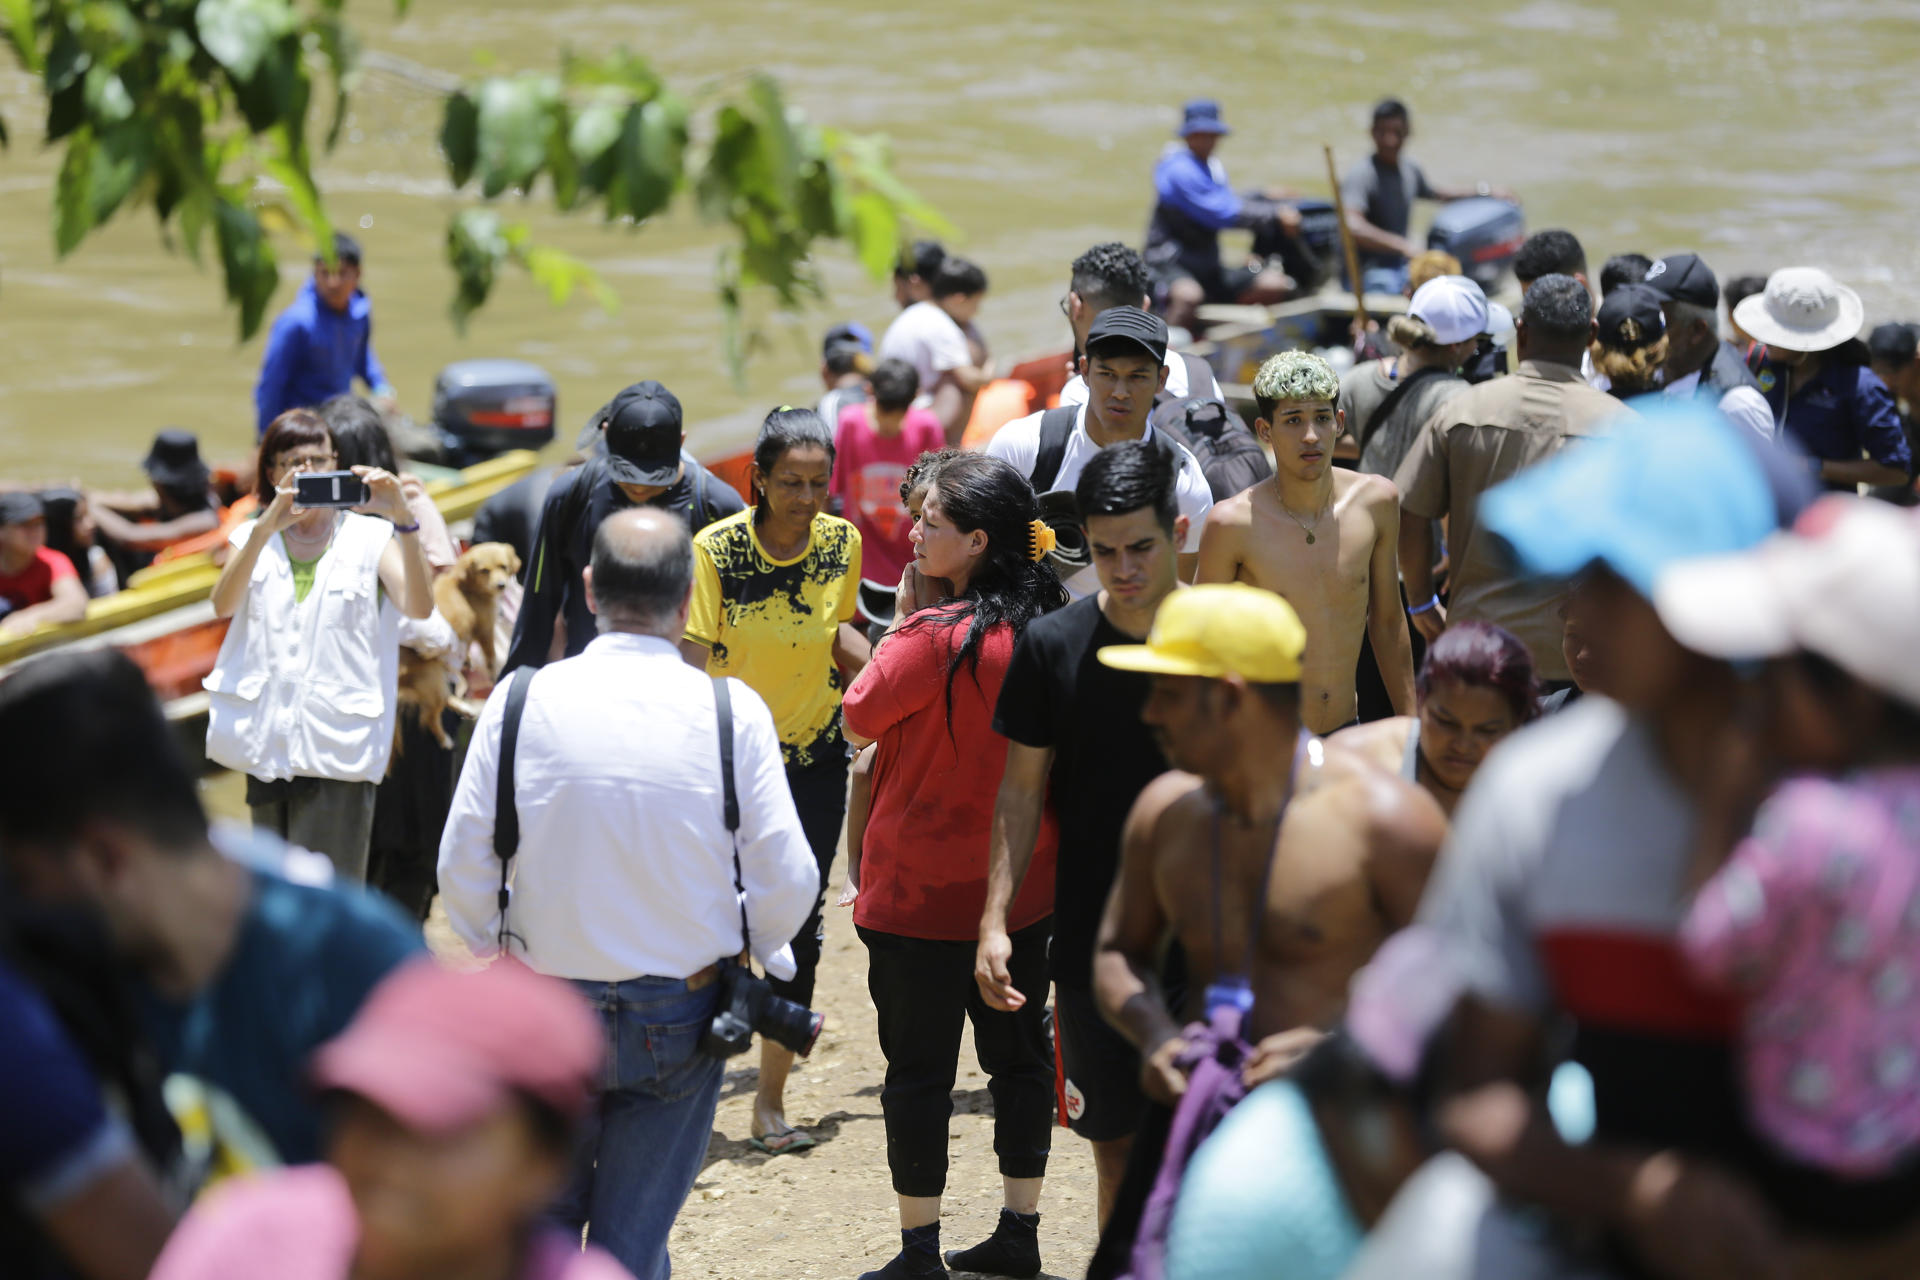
{"x":1803,"y":309}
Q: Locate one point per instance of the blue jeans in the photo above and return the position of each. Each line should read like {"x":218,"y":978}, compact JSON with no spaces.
{"x":646,"y":1139}
{"x":1384,"y":279}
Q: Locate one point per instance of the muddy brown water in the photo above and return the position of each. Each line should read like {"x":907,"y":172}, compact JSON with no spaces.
{"x":1760,"y":132}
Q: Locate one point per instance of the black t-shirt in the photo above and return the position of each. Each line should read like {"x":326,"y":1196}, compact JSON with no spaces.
{"x":1058,"y":694}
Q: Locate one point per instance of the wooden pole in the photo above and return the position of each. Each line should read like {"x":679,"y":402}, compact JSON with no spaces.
{"x":1347,"y":245}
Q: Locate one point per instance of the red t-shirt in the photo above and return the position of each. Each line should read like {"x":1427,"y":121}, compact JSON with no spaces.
{"x":867,"y":470}
{"x":34,"y":584}
{"x":923,"y":867}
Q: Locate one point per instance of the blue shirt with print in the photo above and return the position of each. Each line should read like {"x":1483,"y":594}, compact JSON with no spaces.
{"x":304,"y":959}
{"x":314,"y":353}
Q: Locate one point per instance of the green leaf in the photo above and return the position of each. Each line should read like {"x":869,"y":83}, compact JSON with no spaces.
{"x":596,"y":127}
{"x":239,"y":33}
{"x":119,"y":160}
{"x":73,"y":194}
{"x":562,"y":168}
{"x":876,"y":233}
{"x":342,"y":50}
{"x":778,"y":146}
{"x":292,"y":172}
{"x":560,"y":273}
{"x":642,"y":186}
{"x":107,"y":98}
{"x":459,"y":138}
{"x":247,"y":259}
{"x":196,"y":208}
{"x":513,"y":125}
{"x":475,"y":249}
{"x":21,"y":33}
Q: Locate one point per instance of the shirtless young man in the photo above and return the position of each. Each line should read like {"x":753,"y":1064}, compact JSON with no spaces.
{"x":1325,"y":538}
{"x":1342,"y":847}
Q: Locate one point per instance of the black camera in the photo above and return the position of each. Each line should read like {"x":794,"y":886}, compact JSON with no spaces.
{"x":330,"y":489}
{"x":747,"y":1005}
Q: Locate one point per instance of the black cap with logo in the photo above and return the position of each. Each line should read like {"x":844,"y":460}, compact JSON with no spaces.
{"x":1631,"y":319}
{"x":1684,"y":278}
{"x":1118,"y":328}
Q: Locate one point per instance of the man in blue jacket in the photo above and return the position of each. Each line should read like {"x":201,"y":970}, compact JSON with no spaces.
{"x":1193,"y":204}
{"x":321,"y":342}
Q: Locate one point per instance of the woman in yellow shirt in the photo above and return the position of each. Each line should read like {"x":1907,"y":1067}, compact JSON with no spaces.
{"x":774,"y":595}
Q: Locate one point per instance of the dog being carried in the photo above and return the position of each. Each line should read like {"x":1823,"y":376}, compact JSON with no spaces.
{"x":467,"y":598}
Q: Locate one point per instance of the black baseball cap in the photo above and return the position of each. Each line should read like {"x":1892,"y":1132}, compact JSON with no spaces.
{"x":1893,"y":343}
{"x":1630,"y":318}
{"x":1122,"y":327}
{"x":1683,"y":277}
{"x":643,"y":435}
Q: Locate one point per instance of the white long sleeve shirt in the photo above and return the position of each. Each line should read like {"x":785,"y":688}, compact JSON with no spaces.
{"x":625,"y":867}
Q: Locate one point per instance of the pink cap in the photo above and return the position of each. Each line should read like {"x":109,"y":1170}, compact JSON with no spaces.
{"x":440,"y":1050}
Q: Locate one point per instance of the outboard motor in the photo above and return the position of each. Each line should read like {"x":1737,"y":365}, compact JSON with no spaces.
{"x":1483,"y":233}
{"x":1312,"y":255}
{"x":485,"y":407}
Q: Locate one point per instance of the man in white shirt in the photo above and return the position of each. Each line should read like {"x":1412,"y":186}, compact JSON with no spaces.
{"x":624,"y":877}
{"x":1125,"y":367}
{"x":932,"y":337}
{"x":1699,"y":364}
{"x":1114,"y":275}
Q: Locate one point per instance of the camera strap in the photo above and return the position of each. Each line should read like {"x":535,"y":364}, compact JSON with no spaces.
{"x":506,"y":814}
{"x":729,"y":799}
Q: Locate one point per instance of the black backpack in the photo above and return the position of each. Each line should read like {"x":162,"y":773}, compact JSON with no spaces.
{"x":1229,"y":455}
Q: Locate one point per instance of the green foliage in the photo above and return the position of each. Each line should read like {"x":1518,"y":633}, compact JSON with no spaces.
{"x":199,"y":109}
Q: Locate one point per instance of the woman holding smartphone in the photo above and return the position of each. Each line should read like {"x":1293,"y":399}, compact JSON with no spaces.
{"x":303,"y":695}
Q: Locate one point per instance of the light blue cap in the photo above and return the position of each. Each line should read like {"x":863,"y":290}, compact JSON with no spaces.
{"x":1675,"y":482}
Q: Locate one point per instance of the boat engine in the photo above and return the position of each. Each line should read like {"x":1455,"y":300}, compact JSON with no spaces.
{"x":1483,"y":233}
{"x":486,"y":407}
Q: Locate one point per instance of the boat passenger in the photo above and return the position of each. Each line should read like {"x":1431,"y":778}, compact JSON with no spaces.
{"x":71,"y":532}
{"x":322,"y":341}
{"x":1379,"y":193}
{"x":181,"y":505}
{"x":38,"y":586}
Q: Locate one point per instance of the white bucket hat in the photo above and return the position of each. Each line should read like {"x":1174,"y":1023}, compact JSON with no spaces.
{"x":1845,"y":584}
{"x":1803,"y":309}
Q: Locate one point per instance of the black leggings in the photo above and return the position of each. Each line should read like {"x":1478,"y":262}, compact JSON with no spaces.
{"x":820,"y":794}
{"x":924,"y":992}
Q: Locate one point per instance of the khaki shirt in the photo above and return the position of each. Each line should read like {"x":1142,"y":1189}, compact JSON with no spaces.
{"x":1481,"y":437}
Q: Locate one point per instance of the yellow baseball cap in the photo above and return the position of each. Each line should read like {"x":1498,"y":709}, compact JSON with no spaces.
{"x":1218,"y":630}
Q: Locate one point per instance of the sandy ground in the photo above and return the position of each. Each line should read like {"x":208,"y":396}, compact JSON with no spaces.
{"x":829,"y":1212}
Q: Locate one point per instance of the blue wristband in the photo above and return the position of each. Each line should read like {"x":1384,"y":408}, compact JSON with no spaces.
{"x":1428,"y":607}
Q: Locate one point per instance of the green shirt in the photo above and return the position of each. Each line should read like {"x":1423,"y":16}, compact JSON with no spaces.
{"x":303,"y":571}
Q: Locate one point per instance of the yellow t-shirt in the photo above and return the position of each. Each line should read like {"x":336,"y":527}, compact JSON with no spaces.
{"x":772,"y":623}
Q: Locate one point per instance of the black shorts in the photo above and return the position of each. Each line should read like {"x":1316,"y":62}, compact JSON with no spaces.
{"x":1099,"y":1072}
{"x":1219,"y":283}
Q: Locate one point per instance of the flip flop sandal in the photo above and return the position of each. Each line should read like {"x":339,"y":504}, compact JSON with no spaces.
{"x":783,"y":1144}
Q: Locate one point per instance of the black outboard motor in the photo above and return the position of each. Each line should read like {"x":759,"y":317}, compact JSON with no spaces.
{"x":1483,"y":233}
{"x":486,"y":407}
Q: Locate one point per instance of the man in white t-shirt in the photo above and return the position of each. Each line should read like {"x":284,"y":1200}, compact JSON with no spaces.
{"x":932,"y":337}
{"x":1125,"y":367}
{"x":1114,"y":275}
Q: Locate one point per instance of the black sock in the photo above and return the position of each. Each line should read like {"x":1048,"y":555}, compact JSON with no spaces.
{"x":1012,"y":1250}
{"x":918,"y":1259}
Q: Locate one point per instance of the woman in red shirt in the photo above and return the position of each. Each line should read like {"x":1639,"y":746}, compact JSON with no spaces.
{"x":927,"y":698}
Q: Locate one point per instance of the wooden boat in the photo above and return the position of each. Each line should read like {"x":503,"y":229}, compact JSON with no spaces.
{"x":165,"y":623}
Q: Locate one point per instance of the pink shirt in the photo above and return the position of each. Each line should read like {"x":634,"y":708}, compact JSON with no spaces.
{"x":299,"y":1224}
{"x":1815,"y":921}
{"x":867,"y":470}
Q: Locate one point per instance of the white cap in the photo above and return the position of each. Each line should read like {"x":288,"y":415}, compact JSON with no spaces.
{"x":1500,"y":326}
{"x":1454,"y":307}
{"x":1844,"y":584}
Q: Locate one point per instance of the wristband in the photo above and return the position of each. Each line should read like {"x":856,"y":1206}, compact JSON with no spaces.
{"x":407,"y":528}
{"x":1428,"y":607}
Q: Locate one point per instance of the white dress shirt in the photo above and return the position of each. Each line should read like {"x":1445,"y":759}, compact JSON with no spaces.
{"x":1018,"y":444}
{"x":625,"y":867}
{"x":1742,"y":406}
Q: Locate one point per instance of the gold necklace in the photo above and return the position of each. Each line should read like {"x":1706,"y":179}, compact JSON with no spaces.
{"x":1304,"y":527}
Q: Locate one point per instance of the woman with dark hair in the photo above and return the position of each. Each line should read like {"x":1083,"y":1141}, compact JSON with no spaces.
{"x":303,"y":694}
{"x":1476,"y":686}
{"x":70,"y":531}
{"x":360,"y":438}
{"x":775,"y":592}
{"x":927,"y":699}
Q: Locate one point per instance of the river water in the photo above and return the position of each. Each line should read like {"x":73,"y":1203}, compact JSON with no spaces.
{"x":1759,"y":132}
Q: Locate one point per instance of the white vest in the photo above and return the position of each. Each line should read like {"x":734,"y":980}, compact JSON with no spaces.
{"x":309,"y":688}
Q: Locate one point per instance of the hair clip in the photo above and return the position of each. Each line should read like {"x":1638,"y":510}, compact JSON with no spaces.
{"x":1044,"y":539}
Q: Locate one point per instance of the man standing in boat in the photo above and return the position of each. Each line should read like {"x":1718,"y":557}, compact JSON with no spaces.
{"x":1193,"y":205}
{"x":1379,"y":194}
{"x":321,"y":342}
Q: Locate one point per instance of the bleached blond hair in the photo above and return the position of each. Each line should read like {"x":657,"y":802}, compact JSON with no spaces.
{"x":1294,"y":375}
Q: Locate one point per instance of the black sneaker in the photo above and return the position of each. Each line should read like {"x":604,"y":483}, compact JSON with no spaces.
{"x":1012,"y":1250}
{"x":910,"y":1264}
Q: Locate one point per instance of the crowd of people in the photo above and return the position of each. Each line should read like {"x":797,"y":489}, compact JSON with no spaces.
{"x":1463,"y":823}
